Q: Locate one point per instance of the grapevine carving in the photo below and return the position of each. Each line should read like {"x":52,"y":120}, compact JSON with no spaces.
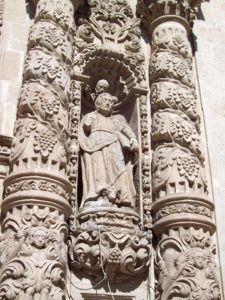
{"x":182,"y":211}
{"x":33,"y":243}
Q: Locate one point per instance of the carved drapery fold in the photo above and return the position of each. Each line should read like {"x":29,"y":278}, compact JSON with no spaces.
{"x":182,"y":211}
{"x":35,"y":207}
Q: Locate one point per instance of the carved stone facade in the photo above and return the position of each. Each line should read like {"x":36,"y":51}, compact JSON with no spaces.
{"x":105,"y":189}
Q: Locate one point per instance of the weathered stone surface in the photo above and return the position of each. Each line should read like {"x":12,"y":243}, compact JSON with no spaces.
{"x":109,"y":156}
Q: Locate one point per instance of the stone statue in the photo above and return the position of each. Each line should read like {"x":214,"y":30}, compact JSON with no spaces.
{"x":108,"y":145}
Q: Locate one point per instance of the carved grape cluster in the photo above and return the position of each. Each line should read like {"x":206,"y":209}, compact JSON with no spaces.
{"x":50,"y":106}
{"x":182,"y":68}
{"x":182,"y":130}
{"x":115,"y":255}
{"x":45,"y":142}
{"x":188,"y":168}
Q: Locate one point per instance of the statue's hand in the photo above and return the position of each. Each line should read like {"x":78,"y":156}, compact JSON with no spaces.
{"x":88,"y":122}
{"x":134,"y":145}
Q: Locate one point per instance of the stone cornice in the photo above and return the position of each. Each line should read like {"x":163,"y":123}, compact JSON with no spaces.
{"x":183,"y":11}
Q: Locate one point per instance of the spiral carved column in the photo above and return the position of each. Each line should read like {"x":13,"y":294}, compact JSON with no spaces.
{"x":35,"y":208}
{"x":182,"y":210}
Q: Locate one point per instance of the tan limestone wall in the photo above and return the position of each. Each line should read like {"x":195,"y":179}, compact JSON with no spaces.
{"x":17,"y":19}
{"x":210,"y":60}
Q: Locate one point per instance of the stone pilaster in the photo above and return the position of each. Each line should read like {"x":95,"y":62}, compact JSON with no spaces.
{"x":182,"y":210}
{"x":35,"y":208}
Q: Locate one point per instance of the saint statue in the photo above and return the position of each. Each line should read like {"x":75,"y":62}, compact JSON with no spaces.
{"x":108,"y":147}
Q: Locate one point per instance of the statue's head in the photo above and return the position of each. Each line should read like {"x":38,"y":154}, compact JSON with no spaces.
{"x":198,"y":258}
{"x":39,"y":238}
{"x":102,"y":86}
{"x":105,"y":103}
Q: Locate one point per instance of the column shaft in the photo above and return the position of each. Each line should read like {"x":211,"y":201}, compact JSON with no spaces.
{"x":35,"y":208}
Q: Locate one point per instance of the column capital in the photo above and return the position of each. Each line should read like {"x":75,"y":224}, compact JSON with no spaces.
{"x":76,"y":3}
{"x":154,"y":12}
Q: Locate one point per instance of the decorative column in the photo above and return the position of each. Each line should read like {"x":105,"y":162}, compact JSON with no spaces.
{"x":35,"y":208}
{"x":182,"y":211}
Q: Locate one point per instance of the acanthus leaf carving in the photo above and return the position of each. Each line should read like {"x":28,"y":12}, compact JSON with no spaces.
{"x":186,"y":268}
{"x":121,"y":254}
{"x":33,"y":254}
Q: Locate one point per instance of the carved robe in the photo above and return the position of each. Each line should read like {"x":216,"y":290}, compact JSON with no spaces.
{"x":105,"y":142}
